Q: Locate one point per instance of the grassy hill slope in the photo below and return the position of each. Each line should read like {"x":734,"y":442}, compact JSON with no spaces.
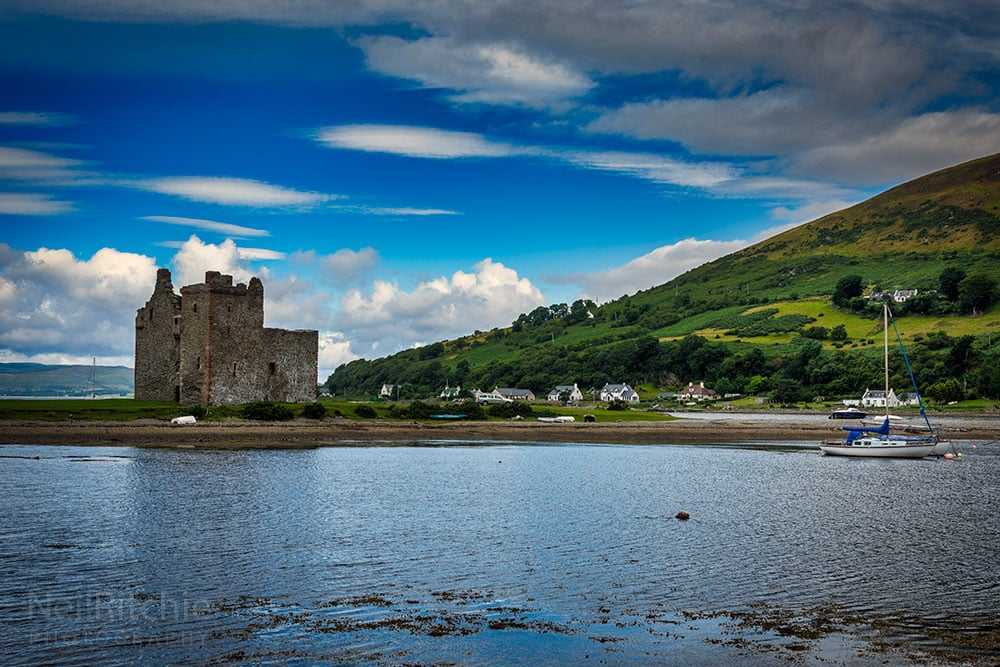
{"x":902,"y":238}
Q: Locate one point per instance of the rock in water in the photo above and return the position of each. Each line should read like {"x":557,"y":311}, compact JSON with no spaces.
{"x":682,"y":516}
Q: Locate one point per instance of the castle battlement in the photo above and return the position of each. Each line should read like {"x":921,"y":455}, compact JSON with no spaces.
{"x":209,"y":346}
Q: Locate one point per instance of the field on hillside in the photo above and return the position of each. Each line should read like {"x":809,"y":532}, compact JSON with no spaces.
{"x":825,"y":314}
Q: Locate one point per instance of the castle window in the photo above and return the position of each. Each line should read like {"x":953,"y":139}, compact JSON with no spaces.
{"x":229,"y":307}
{"x":196,"y":308}
{"x":199,"y":362}
{"x":272,"y":368}
{"x":234,"y":369}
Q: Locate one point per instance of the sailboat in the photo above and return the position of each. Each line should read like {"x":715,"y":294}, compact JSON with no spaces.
{"x":879,"y":441}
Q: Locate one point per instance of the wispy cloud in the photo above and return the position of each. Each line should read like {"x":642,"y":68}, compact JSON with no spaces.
{"x":35,"y":118}
{"x":259,"y":254}
{"x":236,"y":231}
{"x":29,"y":203}
{"x":231,"y":191}
{"x":23,"y":164}
{"x":411,"y":141}
{"x":655,"y":168}
{"x":487,"y":73}
{"x":406,"y":211}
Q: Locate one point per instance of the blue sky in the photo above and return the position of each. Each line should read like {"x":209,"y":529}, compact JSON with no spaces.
{"x":403,"y":173}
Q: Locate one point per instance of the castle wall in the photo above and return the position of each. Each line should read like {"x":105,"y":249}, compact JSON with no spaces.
{"x":291,"y":366}
{"x":221,"y":353}
{"x":157,"y":343}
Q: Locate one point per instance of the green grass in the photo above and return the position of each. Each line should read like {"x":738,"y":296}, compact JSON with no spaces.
{"x":73,"y":409}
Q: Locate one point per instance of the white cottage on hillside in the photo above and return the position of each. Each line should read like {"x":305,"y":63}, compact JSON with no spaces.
{"x":570,"y":391}
{"x":388,"y":391}
{"x":489,"y":397}
{"x":618,"y":392}
{"x":697,"y":392}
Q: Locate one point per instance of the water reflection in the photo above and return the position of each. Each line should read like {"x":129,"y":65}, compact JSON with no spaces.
{"x":491,"y":554}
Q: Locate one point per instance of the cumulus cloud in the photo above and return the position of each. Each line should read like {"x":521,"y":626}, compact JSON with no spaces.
{"x":490,"y":73}
{"x":28,"y":203}
{"x":391,"y":318}
{"x":231,"y":191}
{"x":54,"y":303}
{"x":194,"y":257}
{"x":423,"y":142}
{"x":235,"y":231}
{"x":342,"y":266}
{"x":334,"y":350}
{"x":35,"y":118}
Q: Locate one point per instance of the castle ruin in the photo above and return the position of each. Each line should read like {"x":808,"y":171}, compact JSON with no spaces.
{"x":210,"y":346}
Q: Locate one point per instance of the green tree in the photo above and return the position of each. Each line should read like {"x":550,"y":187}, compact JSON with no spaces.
{"x":946,"y":390}
{"x":847,"y":288}
{"x":839,"y":332}
{"x":949,"y":281}
{"x":977,"y":293}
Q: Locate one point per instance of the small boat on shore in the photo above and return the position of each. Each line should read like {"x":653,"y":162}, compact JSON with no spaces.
{"x":563,"y":419}
{"x":870,"y":440}
{"x":848,"y":413}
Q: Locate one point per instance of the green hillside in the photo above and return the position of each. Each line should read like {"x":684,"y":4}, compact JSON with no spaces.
{"x":762,"y":320}
{"x":28,"y":379}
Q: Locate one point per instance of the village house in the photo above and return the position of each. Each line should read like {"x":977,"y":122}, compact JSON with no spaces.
{"x":450,"y":392}
{"x":514,"y":394}
{"x":571,"y":392}
{"x":388,"y":391}
{"x":618,"y":392}
{"x":697,"y":392}
{"x":897,"y":296}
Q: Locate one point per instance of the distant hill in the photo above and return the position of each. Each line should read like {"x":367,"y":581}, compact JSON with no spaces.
{"x":28,"y":379}
{"x":771,"y":297}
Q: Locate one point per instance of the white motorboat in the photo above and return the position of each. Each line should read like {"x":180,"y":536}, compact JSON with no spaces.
{"x":877,"y":441}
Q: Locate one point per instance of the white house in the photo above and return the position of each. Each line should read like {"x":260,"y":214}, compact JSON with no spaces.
{"x":875,"y":398}
{"x":450,"y":392}
{"x":387,"y":391}
{"x":697,"y":392}
{"x":488,"y":397}
{"x":909,"y":400}
{"x":514,"y":394}
{"x":571,"y":391}
{"x":618,"y":392}
{"x":898,"y":296}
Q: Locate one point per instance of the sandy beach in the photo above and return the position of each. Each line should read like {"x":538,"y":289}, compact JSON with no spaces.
{"x":690,"y":429}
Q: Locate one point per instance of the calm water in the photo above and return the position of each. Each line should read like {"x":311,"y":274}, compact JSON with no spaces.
{"x":504,"y":554}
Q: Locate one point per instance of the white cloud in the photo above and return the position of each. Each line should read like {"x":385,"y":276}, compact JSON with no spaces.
{"x":423,"y":142}
{"x":28,"y":203}
{"x":391,"y":318}
{"x":235,"y":231}
{"x":231,"y":191}
{"x":655,"y":168}
{"x":36,"y":118}
{"x":54,"y":303}
{"x":489,"y":73}
{"x":654,"y":268}
{"x":343,"y":265}
{"x":23,"y":164}
{"x":195,"y":257}
{"x":409,"y":211}
{"x":810,"y":211}
{"x":59,"y":358}
{"x":334,"y":350}
{"x":259,"y":254}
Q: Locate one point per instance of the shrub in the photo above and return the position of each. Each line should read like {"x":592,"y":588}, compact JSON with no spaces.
{"x":946,"y":390}
{"x":199,"y":412}
{"x":365,"y":412}
{"x":508,"y":410}
{"x":267,"y":411}
{"x":839,"y":332}
{"x":314,"y":410}
{"x":617,"y":405}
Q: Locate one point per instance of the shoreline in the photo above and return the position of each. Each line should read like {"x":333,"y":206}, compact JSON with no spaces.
{"x":305,"y":434}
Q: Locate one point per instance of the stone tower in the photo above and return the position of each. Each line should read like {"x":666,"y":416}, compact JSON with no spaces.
{"x":157,"y":343}
{"x":223,"y":353}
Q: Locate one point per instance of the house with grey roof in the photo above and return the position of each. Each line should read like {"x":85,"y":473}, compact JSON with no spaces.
{"x":571,"y":392}
{"x":618,"y":392}
{"x":514,"y":394}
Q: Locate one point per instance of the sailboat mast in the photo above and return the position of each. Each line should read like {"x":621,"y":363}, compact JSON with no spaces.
{"x":885,"y":331}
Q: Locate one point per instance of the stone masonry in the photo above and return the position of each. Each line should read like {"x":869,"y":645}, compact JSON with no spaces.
{"x":210,"y":346}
